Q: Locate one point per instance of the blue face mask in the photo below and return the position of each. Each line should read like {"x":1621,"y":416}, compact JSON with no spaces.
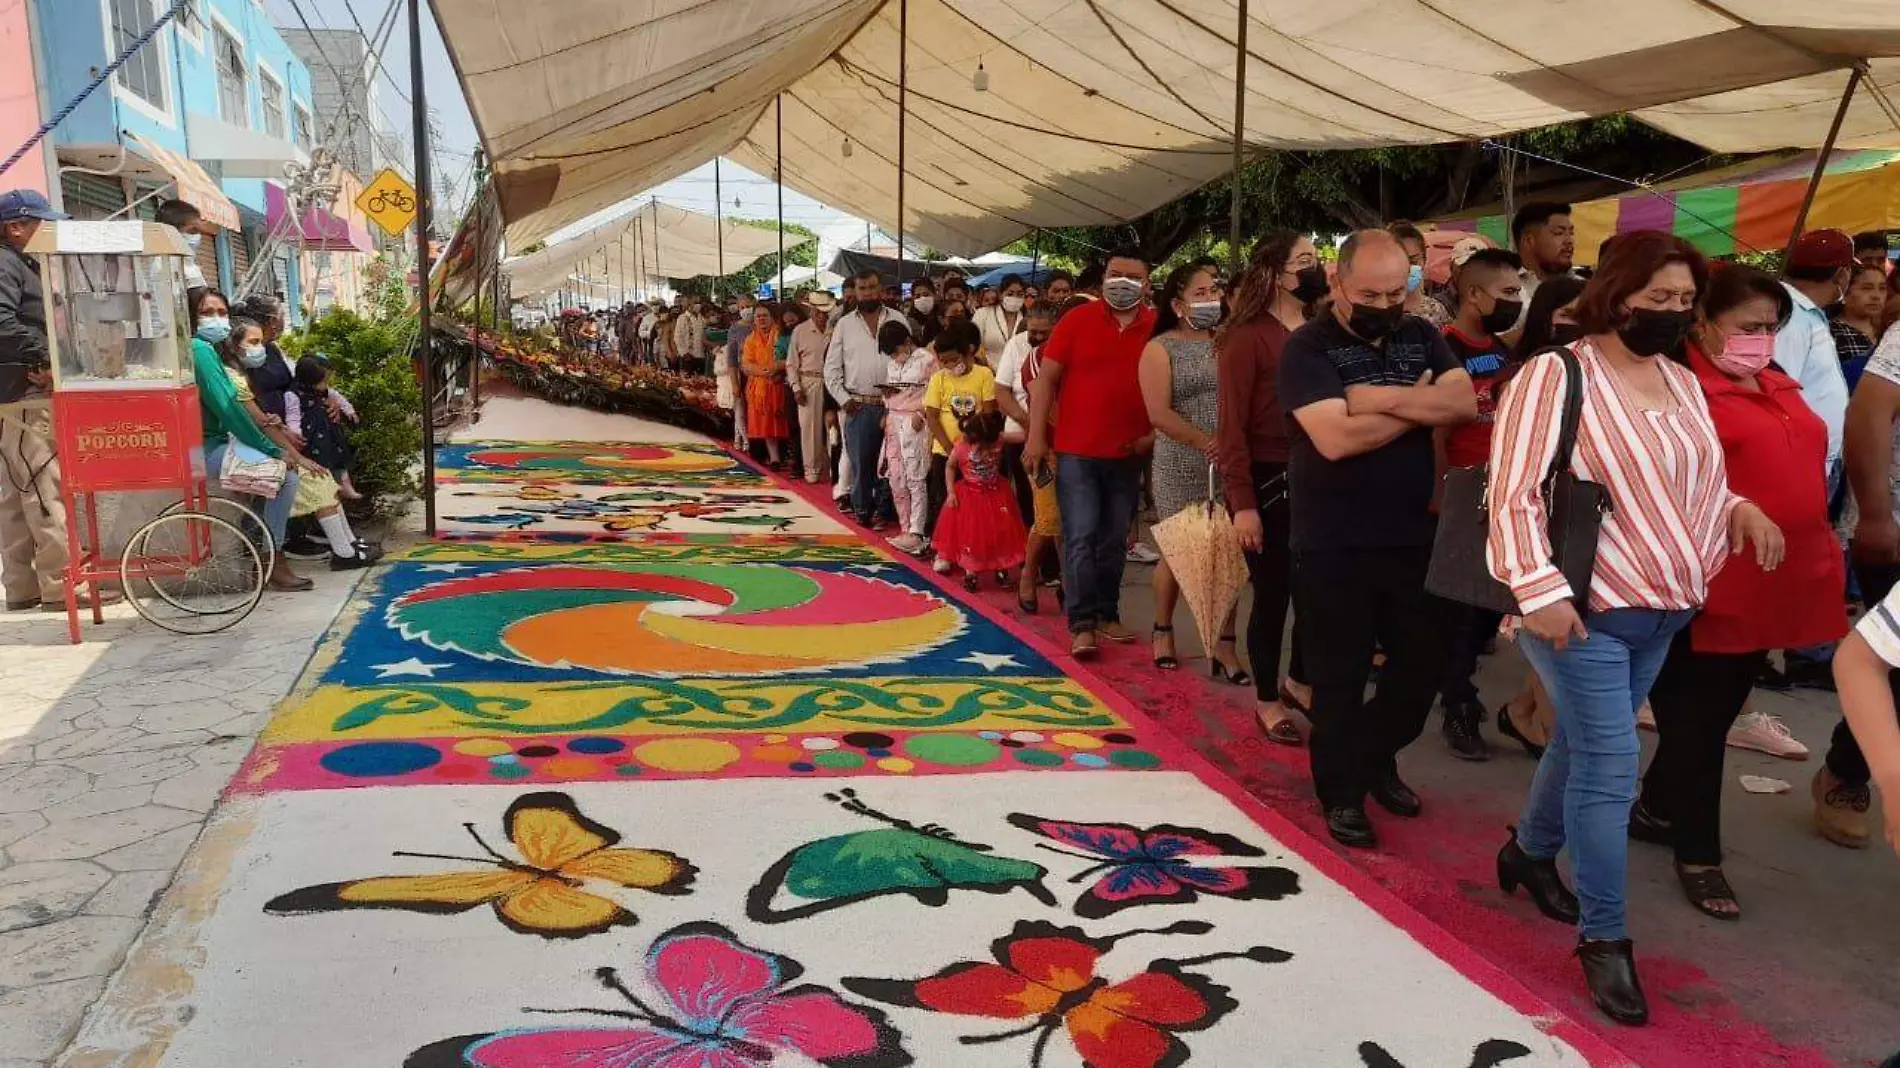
{"x":253,"y":356}
{"x":214,"y":329}
{"x":1414,"y":278}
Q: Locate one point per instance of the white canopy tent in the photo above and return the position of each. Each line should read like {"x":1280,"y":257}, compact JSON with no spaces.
{"x":1100,"y":111}
{"x":641,"y":249}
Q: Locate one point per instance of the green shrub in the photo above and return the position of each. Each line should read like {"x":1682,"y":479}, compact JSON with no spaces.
{"x":369,"y":363}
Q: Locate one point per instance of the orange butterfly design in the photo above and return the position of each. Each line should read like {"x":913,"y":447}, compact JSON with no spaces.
{"x":543,"y":893}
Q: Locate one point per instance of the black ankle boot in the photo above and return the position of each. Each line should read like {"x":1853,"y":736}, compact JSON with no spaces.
{"x":1609,"y":968}
{"x":1518,"y":868}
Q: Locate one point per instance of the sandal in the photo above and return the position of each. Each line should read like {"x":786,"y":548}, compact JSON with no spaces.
{"x":1288,"y":699}
{"x":1170,"y":661}
{"x":1705,"y":888}
{"x":969,"y":581}
{"x":1221,"y":672}
{"x":1027,"y":605}
{"x":1285,"y":732}
{"x":1082,"y":646}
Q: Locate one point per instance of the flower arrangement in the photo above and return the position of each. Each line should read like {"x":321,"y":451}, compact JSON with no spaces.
{"x":571,"y":376}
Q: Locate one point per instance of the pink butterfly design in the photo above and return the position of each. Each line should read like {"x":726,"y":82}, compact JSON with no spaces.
{"x":723,"y":1004}
{"x":1159,"y":865}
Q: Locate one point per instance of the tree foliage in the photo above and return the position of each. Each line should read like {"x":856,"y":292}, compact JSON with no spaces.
{"x":1332,"y":192}
{"x":801,"y":250}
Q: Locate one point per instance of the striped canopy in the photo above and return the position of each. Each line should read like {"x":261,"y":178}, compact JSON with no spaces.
{"x":1749,"y":207}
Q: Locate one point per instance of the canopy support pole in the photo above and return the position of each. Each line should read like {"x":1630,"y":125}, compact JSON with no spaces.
{"x":719,"y":218}
{"x":1035,"y":256}
{"x":903,"y":106}
{"x":639,"y":262}
{"x":425,"y":211}
{"x":778,"y":175}
{"x":1820,"y":161}
{"x":1240,"y":140}
{"x":655,"y":205}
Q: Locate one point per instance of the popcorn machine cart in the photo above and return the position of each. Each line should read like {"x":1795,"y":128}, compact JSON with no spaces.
{"x":126,"y":420}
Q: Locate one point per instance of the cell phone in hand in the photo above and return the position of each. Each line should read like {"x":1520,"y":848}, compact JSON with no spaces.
{"x":1045,"y":474}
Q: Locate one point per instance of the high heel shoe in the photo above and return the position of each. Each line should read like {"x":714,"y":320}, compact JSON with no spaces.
{"x":1517,"y":868}
{"x":1170,"y":661}
{"x":1609,"y":969}
{"x":1509,"y":729}
{"x":1221,"y":672}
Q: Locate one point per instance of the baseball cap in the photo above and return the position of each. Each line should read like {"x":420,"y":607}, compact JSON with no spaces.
{"x":1823,"y":248}
{"x":27,"y":204}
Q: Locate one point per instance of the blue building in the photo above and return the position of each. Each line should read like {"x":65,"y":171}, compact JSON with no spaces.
{"x":212,"y":110}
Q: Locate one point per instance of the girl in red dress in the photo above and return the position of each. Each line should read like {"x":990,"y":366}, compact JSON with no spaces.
{"x":979,"y":528}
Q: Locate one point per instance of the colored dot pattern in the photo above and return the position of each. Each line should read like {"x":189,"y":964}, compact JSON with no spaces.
{"x":607,"y":757}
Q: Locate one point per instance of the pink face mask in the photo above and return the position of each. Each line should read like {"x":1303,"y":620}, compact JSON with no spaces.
{"x":1744,"y":355}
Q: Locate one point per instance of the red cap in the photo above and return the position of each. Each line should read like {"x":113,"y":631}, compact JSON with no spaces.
{"x":1823,"y":248}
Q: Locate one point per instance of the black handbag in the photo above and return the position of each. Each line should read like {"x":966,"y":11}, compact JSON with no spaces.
{"x":1574,"y":509}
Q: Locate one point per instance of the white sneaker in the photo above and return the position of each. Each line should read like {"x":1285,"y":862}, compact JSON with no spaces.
{"x":1764,"y":733}
{"x":1646,"y":717}
{"x":1139,"y":553}
{"x":908,"y":543}
{"x":942,"y":566}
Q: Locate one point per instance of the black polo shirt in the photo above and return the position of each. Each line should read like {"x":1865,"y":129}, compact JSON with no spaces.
{"x":1377,"y":499}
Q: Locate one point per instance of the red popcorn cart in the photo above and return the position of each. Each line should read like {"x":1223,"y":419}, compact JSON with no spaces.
{"x":126,"y":419}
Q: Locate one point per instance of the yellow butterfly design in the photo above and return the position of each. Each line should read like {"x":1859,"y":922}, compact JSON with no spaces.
{"x":543,"y":893}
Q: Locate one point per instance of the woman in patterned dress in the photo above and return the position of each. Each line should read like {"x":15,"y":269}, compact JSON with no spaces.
{"x":1179,"y":384}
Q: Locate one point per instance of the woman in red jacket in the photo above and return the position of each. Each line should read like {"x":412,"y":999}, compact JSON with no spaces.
{"x":1775,"y":450}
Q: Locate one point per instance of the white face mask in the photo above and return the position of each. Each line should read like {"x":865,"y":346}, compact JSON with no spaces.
{"x":924,"y":303}
{"x":194,"y":240}
{"x":254,"y":356}
{"x":1012,"y":305}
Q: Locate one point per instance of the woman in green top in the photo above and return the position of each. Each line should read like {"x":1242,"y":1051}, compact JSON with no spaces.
{"x":228,"y":416}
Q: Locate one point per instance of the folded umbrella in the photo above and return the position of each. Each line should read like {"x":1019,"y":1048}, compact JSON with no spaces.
{"x":1203,"y":550}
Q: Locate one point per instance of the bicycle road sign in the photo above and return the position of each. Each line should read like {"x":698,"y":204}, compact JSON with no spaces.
{"x":389,"y":201}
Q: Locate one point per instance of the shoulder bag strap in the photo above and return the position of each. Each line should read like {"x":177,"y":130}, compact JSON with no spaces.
{"x":1572,"y":414}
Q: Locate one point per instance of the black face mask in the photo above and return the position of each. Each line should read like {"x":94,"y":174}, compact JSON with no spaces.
{"x":1503,"y":316}
{"x":1309,"y":284}
{"x":1565,"y":333}
{"x":1374,"y":324}
{"x":1650,"y":332}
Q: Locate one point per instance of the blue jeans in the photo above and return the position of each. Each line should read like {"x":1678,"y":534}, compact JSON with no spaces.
{"x":864,"y":441}
{"x":1098,"y":499}
{"x":1586,"y":783}
{"x":274,"y":512}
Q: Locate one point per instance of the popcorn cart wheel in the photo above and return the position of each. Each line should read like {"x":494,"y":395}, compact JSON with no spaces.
{"x":126,"y":419}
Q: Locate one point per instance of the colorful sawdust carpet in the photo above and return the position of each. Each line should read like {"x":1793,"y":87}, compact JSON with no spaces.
{"x":691,"y":801}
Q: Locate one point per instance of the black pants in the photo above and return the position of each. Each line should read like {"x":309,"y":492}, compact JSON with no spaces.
{"x":1271,"y":570}
{"x":1696,"y":699}
{"x":1349,"y":603}
{"x":936,"y":490}
{"x":1471,"y":630}
{"x":1844,"y":758}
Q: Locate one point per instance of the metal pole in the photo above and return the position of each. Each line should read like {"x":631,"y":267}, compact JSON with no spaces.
{"x":1240,"y":140}
{"x":1820,"y":161}
{"x":425,"y":211}
{"x":1035,"y":256}
{"x":657,"y":276}
{"x":640,"y":261}
{"x":719,"y":217}
{"x":903,"y":104}
{"x":778,"y":175}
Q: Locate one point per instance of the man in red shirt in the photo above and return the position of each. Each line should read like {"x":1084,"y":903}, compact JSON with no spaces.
{"x":1089,"y":366}
{"x":1490,"y":302}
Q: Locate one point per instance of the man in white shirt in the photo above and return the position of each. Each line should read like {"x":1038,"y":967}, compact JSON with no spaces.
{"x":810,"y":340}
{"x":689,"y":338}
{"x":855,"y":371}
{"x":1817,"y":275}
{"x":1545,"y":238}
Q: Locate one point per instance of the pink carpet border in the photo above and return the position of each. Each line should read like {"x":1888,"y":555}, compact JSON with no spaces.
{"x":1182,"y":757}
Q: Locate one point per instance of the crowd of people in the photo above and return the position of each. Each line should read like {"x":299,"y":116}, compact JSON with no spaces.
{"x":1323,"y":409}
{"x":254,"y":399}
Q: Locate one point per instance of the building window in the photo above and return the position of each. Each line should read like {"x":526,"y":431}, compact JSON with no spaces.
{"x":300,"y":127}
{"x":144,"y":73}
{"x":233,"y":83}
{"x":191,"y":21}
{"x":272,"y":95}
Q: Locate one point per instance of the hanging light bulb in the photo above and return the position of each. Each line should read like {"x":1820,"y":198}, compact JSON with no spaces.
{"x":847,"y":148}
{"x":980,"y":81}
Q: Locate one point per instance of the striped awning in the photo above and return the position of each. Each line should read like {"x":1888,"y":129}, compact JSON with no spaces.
{"x":195,"y":187}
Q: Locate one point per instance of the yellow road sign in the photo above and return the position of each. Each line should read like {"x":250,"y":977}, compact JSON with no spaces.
{"x":389,"y":201}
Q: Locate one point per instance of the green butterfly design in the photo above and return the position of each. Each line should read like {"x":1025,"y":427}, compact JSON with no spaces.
{"x":926,"y":862}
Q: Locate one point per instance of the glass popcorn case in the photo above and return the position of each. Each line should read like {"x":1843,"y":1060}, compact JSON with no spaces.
{"x":115,"y":304}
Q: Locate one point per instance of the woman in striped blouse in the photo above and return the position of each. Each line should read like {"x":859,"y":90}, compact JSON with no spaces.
{"x":1647,"y":439}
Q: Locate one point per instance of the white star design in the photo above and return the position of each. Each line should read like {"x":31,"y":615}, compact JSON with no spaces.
{"x":989,"y":661}
{"x":870,"y":569}
{"x":447,"y":569}
{"x":411,"y":666}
